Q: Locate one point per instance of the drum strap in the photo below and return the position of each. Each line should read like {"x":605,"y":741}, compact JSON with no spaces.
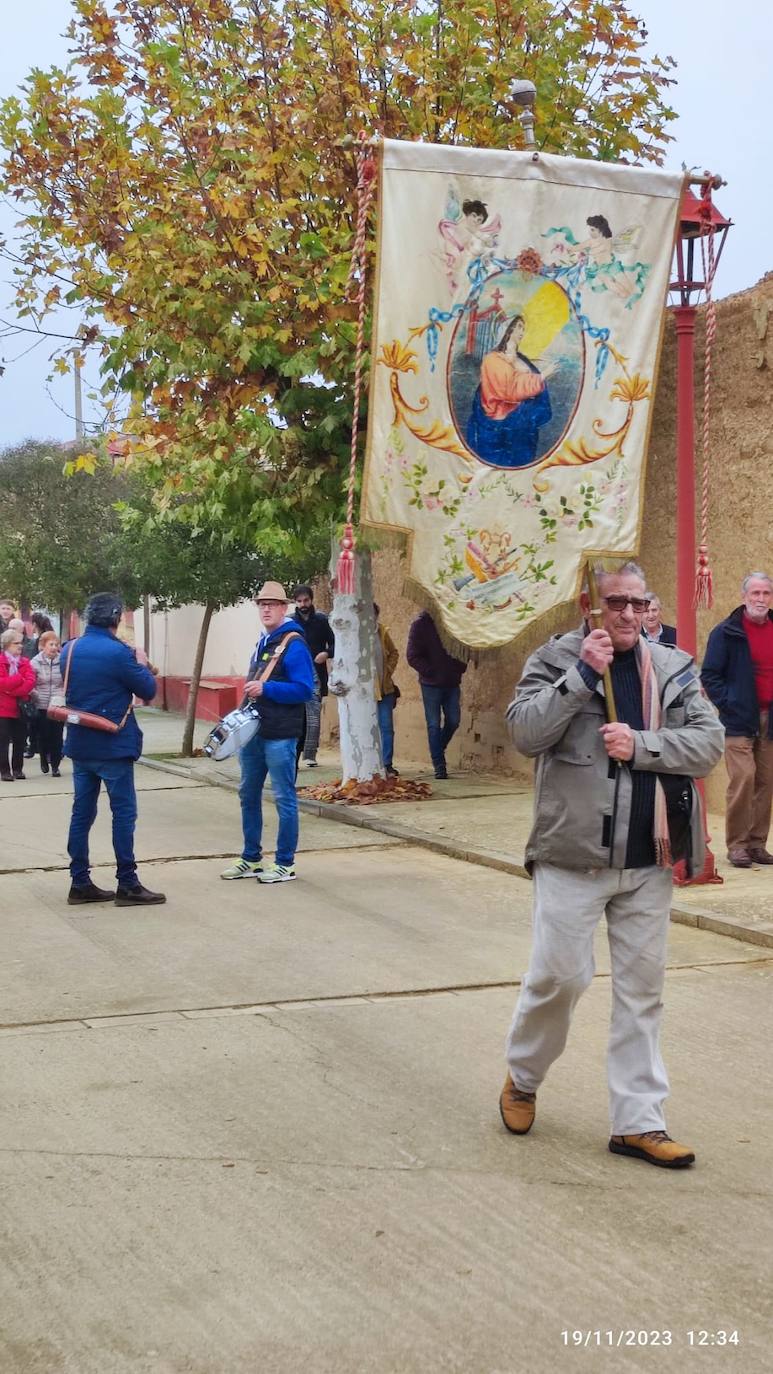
{"x":276,"y":657}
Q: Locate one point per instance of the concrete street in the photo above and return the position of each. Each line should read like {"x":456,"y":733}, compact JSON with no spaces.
{"x":256,"y":1129}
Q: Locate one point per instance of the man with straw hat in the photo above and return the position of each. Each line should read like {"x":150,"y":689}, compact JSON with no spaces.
{"x":281,"y":679}
{"x":619,"y":729}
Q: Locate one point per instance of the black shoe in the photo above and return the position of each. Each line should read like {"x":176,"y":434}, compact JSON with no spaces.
{"x":441,"y":772}
{"x":19,"y":777}
{"x":137,"y":895}
{"x":7,"y":777}
{"x":55,"y":773}
{"x":88,"y":892}
{"x":392,"y":773}
{"x":29,"y":753}
{"x":44,"y":766}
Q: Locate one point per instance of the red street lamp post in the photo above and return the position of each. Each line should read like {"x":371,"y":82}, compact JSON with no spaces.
{"x":698,"y":220}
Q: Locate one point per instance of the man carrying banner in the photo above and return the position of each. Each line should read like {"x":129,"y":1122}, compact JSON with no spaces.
{"x":614,"y":808}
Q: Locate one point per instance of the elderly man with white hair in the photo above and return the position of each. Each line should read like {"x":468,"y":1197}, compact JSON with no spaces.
{"x":738,"y":677}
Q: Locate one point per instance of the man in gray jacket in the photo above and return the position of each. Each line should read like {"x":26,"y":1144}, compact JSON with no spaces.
{"x":614,"y":807}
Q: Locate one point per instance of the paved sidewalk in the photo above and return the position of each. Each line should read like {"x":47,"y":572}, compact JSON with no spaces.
{"x":485,"y":820}
{"x":255,"y":1130}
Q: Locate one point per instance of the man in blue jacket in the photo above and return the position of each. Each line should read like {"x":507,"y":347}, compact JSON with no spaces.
{"x":271,"y":751}
{"x":738,"y":677}
{"x":104,"y":677}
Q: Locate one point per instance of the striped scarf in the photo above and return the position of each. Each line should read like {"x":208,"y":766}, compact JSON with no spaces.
{"x":652,"y":715}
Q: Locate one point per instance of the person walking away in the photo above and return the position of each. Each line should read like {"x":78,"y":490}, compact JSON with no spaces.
{"x":614,"y":807}
{"x":652,"y":623}
{"x":48,"y":685}
{"x":17,"y":680}
{"x":103,"y":676}
{"x":272,"y":750}
{"x":321,"y":641}
{"x":387,"y":656}
{"x":738,"y":677}
{"x":440,"y":676}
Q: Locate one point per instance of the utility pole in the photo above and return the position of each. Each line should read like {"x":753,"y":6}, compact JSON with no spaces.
{"x":79,"y":427}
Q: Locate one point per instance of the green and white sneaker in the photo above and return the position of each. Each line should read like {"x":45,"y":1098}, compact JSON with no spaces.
{"x":243,"y":868}
{"x":276,"y":873}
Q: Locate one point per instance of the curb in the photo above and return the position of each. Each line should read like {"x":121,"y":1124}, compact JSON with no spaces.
{"x":701,"y":919}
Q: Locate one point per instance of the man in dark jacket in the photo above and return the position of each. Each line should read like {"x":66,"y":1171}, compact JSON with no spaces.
{"x":104,"y":677}
{"x":652,"y":626}
{"x":319,"y":637}
{"x":271,"y":751}
{"x":738,"y":677}
{"x":439,"y":679}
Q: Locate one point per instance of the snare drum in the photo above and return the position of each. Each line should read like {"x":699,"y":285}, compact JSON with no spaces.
{"x":232,"y":732}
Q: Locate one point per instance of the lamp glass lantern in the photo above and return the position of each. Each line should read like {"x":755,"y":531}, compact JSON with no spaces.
{"x":688,"y":284}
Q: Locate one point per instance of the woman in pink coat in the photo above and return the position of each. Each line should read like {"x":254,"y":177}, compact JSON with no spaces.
{"x":17,"y":679}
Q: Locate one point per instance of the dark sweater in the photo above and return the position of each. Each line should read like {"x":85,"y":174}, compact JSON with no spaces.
{"x":320,"y":639}
{"x":426,"y":654}
{"x":626,"y":685}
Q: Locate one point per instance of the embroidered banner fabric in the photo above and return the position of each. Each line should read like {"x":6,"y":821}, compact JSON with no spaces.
{"x":519,"y":309}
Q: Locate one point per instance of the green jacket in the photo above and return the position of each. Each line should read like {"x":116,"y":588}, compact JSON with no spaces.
{"x":581,"y":805}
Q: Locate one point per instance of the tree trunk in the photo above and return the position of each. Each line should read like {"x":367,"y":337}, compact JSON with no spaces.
{"x":351,"y":677}
{"x":190,"y":712}
{"x":146,"y":625}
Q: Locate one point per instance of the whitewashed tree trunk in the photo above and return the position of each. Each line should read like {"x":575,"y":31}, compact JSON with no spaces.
{"x":351,"y":677}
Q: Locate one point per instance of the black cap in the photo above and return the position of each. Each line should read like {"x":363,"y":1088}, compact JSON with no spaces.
{"x":105,"y":608}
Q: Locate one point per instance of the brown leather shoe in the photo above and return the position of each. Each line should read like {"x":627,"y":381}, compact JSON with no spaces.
{"x":739,"y":857}
{"x":517,"y":1109}
{"x":654,"y":1146}
{"x":760,"y":856}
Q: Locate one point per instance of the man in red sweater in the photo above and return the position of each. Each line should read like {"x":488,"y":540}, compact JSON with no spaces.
{"x":738,"y":677}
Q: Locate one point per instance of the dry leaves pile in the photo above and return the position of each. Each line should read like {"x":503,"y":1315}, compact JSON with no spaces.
{"x":355,"y":793}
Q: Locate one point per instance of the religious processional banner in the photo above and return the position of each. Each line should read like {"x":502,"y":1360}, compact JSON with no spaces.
{"x":517,"y":324}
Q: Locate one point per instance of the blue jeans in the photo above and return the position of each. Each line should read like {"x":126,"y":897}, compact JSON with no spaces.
{"x":436,"y":700}
{"x":118,"y":777}
{"x":275,"y":757}
{"x":386,"y":727}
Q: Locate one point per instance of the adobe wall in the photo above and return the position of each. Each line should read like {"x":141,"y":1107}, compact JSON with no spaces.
{"x":740,"y":529}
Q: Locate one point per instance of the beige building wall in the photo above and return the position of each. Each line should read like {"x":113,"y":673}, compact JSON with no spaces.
{"x":174,"y":635}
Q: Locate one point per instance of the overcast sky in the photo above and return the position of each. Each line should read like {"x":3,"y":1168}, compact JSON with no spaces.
{"x":723,"y":52}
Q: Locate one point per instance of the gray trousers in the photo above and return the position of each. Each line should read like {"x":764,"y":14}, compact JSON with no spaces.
{"x":568,"y":905}
{"x":313,"y":722}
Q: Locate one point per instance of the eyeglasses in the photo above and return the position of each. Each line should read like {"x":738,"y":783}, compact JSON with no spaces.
{"x":271,"y":603}
{"x":638,"y":604}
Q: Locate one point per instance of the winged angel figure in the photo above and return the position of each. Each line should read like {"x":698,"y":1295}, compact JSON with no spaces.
{"x":597,"y":260}
{"x":469,"y":236}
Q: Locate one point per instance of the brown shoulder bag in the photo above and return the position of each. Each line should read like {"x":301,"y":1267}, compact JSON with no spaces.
{"x":90,"y":719}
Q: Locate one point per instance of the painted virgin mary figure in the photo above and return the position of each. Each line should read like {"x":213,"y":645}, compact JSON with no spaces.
{"x":510,"y":404}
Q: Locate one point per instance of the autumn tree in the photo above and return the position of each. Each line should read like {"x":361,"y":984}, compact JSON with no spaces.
{"x":187,"y":182}
{"x":61,"y":537}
